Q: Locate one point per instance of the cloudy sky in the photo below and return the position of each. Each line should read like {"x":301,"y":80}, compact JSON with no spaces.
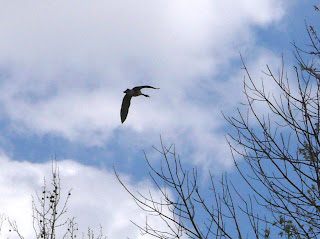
{"x":65,"y":64}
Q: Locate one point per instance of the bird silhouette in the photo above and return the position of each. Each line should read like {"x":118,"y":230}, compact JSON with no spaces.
{"x":136,"y":91}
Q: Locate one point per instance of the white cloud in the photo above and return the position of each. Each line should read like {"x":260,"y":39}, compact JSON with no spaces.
{"x":65,"y":65}
{"x":97,"y":198}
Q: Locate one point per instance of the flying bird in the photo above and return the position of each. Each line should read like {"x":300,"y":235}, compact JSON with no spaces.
{"x":136,"y":91}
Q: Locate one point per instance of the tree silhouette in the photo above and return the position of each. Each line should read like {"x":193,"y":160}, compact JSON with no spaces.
{"x":49,"y":208}
{"x":280,"y":151}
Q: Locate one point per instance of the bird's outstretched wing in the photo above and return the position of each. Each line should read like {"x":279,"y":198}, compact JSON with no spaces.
{"x":125,"y":107}
{"x":144,"y":86}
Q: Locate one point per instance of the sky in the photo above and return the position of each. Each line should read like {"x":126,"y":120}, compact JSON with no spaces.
{"x":65,"y":64}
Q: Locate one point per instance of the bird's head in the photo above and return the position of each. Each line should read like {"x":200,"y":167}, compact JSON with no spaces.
{"x":126,"y":91}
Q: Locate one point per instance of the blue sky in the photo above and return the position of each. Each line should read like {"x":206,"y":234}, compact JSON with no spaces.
{"x":65,"y":64}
